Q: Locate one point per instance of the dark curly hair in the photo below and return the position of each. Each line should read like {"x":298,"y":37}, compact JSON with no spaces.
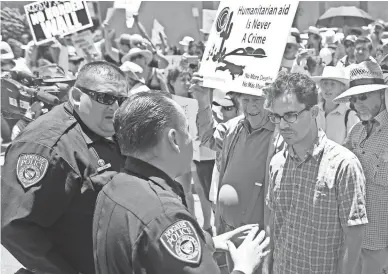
{"x":302,"y":85}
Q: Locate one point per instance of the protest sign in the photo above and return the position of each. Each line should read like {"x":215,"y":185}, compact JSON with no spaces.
{"x":158,"y":34}
{"x":84,"y":45}
{"x":246,"y":44}
{"x":208,"y":17}
{"x":190,"y":107}
{"x":131,"y":5}
{"x":48,"y":19}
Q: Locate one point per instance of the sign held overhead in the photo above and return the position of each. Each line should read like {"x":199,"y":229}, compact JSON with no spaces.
{"x":48,"y":19}
{"x":246,"y":44}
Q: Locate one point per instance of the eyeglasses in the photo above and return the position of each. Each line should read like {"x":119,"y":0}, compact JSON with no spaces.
{"x":348,"y":45}
{"x":288,"y":117}
{"x":362,"y":97}
{"x":102,"y":97}
{"x":228,"y":108}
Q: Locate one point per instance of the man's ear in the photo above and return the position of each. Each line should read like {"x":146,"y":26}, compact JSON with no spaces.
{"x":314,"y":111}
{"x":173,"y":140}
{"x":75,"y":96}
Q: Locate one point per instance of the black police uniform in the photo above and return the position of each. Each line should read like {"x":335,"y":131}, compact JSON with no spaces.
{"x":142,"y":226}
{"x":51,"y":177}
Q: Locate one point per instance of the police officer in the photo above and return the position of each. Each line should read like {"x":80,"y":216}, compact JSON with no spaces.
{"x":141,"y":223}
{"x":53,"y":172}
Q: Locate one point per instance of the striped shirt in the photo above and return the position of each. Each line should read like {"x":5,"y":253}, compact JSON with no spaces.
{"x":311,"y":200}
{"x":373,"y":155}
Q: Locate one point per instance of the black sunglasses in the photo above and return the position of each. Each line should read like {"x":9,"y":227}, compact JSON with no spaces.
{"x":102,"y":97}
{"x":362,"y":97}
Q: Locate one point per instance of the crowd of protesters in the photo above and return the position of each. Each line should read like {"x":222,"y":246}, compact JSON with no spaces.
{"x":305,"y":158}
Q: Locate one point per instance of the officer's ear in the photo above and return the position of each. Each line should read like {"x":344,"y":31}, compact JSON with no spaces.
{"x":173,"y":140}
{"x":75,"y":96}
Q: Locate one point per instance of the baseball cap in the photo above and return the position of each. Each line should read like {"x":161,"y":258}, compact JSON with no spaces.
{"x":224,"y":102}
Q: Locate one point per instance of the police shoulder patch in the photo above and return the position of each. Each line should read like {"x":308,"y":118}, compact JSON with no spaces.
{"x":181,"y":241}
{"x":31,"y":168}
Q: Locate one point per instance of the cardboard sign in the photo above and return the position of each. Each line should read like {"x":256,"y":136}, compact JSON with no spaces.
{"x":48,"y":19}
{"x":208,"y":17}
{"x":84,"y":45}
{"x":190,"y":107}
{"x":246,"y":44}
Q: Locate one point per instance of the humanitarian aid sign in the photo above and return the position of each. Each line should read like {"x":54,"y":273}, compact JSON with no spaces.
{"x":48,"y":19}
{"x":246,"y":44}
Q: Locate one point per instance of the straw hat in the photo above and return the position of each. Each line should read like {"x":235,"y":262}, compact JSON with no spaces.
{"x":333,"y":73}
{"x":364,"y":77}
{"x":136,"y":51}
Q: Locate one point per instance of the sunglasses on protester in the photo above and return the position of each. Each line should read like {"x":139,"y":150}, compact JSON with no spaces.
{"x":102,"y":97}
{"x":348,"y":45}
{"x":362,"y":97}
{"x":291,"y":117}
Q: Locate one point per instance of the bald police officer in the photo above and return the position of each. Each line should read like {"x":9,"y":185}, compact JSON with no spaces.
{"x":141,"y":223}
{"x":53,"y":171}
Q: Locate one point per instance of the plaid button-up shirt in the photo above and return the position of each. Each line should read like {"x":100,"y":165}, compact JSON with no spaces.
{"x":373,"y":155}
{"x":311,"y":201}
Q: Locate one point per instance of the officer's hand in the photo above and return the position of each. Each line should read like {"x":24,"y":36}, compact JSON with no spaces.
{"x":248,"y":256}
{"x":236,"y":236}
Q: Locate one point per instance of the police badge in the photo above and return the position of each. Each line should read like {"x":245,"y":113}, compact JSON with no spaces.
{"x":182,"y":241}
{"x":30,"y":169}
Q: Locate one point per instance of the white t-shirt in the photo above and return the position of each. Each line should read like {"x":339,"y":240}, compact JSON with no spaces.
{"x":334,"y":123}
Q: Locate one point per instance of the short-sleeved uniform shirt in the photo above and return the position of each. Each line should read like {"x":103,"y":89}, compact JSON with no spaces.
{"x":142,"y":226}
{"x":312,"y":200}
{"x":51,"y":177}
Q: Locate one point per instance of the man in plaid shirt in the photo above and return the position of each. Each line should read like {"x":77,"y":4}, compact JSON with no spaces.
{"x":316,"y":190}
{"x":369,"y":141}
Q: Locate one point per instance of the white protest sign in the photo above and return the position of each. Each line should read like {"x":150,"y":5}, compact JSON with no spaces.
{"x":157,"y":32}
{"x":129,"y":20}
{"x":84,"y":45}
{"x":131,"y":5}
{"x":246,"y":44}
{"x":48,"y":19}
{"x":208,"y":17}
{"x":190,"y":107}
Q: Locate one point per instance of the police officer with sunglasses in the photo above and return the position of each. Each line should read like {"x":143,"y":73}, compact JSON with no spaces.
{"x":54,"y":170}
